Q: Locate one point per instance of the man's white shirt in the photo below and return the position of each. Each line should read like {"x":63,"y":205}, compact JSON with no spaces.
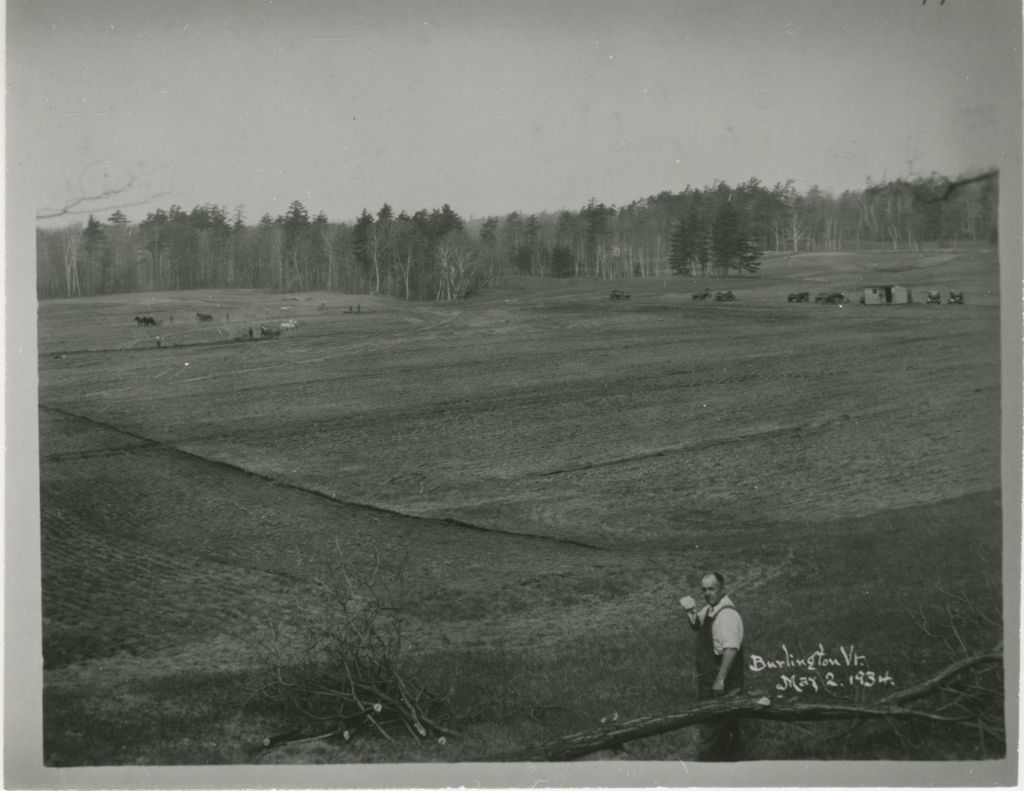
{"x":727,"y":628}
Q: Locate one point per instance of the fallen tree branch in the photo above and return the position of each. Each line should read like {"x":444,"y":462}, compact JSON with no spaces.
{"x":577,"y":745}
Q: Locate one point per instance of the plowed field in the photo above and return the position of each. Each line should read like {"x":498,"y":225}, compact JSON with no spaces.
{"x":552,"y":466}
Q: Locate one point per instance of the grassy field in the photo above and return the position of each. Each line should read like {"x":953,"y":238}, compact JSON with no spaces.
{"x":555,"y":469}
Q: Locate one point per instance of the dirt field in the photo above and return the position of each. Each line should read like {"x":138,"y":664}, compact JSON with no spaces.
{"x":554,"y":466}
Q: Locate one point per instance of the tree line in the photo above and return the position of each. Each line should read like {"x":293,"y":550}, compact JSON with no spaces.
{"x":434,"y":254}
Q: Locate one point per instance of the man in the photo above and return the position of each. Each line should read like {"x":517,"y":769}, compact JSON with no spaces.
{"x":719,"y":654}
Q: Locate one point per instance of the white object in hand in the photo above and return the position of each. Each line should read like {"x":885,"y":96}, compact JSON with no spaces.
{"x":688,"y":603}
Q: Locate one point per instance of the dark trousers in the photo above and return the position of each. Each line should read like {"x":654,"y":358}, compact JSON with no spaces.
{"x":719,"y":739}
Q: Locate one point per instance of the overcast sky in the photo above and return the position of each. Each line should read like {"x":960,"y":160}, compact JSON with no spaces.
{"x":497,"y":106}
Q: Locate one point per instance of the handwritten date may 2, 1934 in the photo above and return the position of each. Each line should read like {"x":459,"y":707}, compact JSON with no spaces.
{"x":820,"y":670}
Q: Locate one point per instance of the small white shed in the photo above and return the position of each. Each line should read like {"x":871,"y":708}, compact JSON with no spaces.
{"x":886,"y":295}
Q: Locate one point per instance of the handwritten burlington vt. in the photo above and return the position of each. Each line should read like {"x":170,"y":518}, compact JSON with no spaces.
{"x":820,"y":659}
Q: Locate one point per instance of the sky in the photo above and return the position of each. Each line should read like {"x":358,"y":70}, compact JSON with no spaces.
{"x":494,"y":107}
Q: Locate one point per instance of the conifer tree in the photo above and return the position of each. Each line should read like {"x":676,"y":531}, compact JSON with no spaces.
{"x":681,"y":248}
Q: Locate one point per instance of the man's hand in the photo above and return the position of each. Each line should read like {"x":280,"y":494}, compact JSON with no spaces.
{"x":728,"y":657}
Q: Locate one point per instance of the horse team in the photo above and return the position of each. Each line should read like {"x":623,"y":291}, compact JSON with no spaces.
{"x":207,"y":318}
{"x":717,"y":296}
{"x":935,"y":298}
{"x":274,"y":332}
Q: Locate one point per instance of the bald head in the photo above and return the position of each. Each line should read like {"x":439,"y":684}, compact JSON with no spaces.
{"x":713,"y":585}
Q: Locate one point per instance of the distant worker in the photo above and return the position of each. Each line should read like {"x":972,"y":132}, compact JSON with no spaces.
{"x":719,"y":664}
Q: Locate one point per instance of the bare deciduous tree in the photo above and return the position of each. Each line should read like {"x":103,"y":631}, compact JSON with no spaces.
{"x":70,"y":238}
{"x":457,"y":269}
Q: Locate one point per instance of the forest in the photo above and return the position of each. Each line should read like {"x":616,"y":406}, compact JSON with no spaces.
{"x":436,"y":254}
